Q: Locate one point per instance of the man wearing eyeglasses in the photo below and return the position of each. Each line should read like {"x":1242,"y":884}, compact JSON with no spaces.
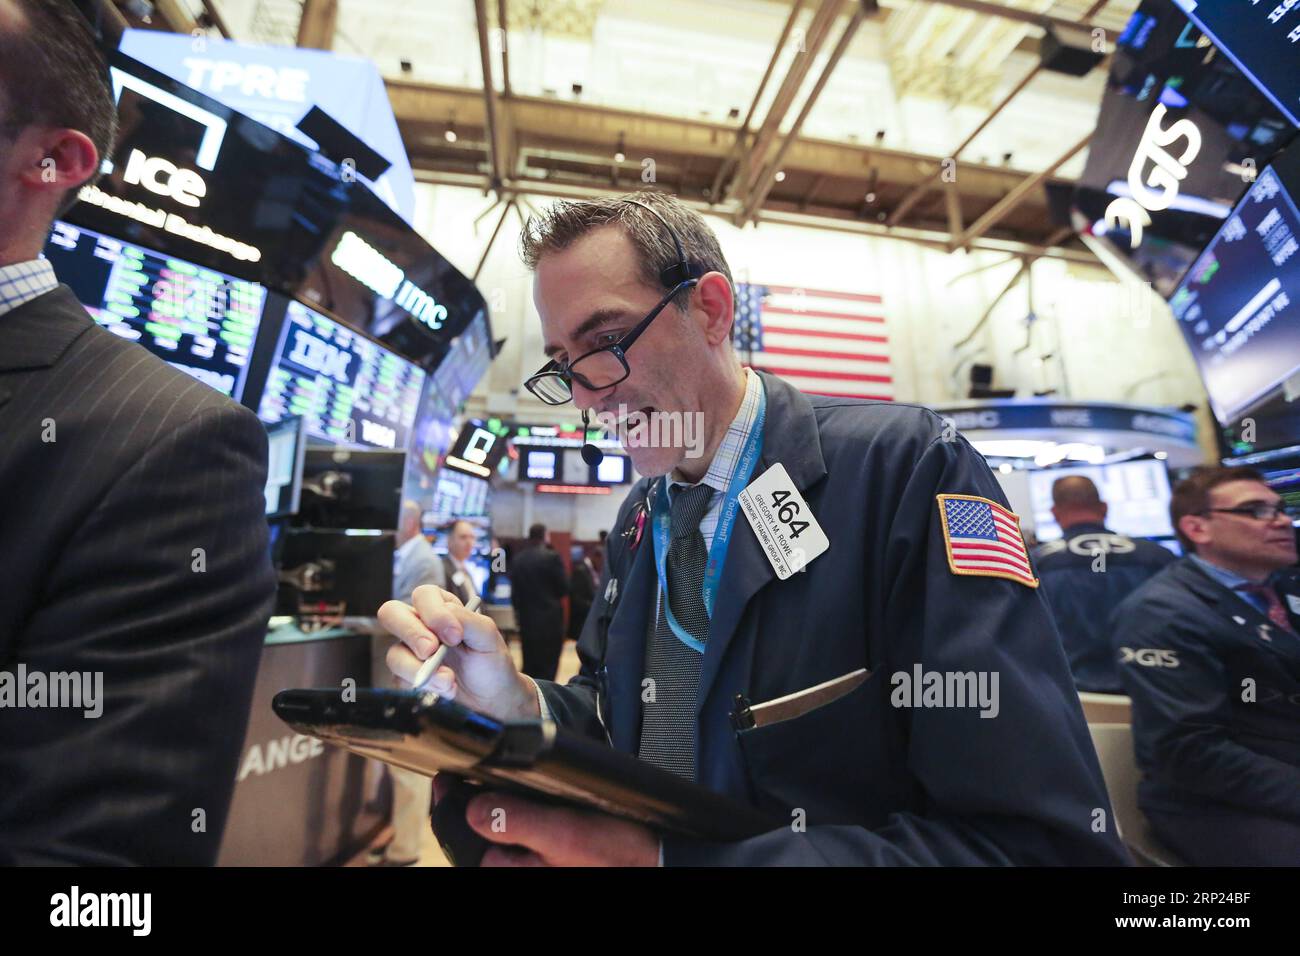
{"x":776,"y":677}
{"x":1209,"y":651}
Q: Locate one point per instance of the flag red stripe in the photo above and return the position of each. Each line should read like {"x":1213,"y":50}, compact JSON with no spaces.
{"x":822,"y":334}
{"x":1023,"y":563}
{"x":820,"y":353}
{"x":1017,"y":575}
{"x":821,"y":314}
{"x":816,"y":373}
{"x":851,"y":296}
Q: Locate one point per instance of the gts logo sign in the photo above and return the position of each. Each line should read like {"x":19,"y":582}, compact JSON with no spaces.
{"x":1148,"y":656}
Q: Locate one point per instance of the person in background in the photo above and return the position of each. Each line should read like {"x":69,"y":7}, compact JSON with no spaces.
{"x":582,"y":589}
{"x":538,"y":585}
{"x":1085,"y":574}
{"x":1210,"y":654}
{"x":414,"y":564}
{"x":133,"y":535}
{"x":453,"y":570}
{"x":414,"y":561}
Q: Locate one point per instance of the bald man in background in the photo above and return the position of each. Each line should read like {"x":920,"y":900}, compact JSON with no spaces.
{"x":1086,"y":574}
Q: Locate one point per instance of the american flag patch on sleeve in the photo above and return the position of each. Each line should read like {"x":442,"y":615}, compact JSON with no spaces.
{"x":982,"y":538}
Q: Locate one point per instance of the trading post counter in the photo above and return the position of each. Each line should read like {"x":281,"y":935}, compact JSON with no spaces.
{"x":299,"y":802}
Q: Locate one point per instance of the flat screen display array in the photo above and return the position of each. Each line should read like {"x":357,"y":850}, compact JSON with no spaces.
{"x":198,"y":320}
{"x":1261,"y":38}
{"x":1136,"y":493}
{"x":349,"y":389}
{"x":458,"y":495}
{"x":1238,"y":306}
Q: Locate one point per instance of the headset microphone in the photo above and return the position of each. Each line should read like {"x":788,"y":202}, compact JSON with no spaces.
{"x":590,"y":453}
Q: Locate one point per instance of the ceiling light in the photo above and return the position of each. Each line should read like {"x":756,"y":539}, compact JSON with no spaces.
{"x":780,"y":175}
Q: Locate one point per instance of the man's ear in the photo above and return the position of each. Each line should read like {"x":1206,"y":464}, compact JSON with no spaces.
{"x":1105,"y":510}
{"x":1193,"y":527}
{"x":62,"y":159}
{"x":714,"y":296}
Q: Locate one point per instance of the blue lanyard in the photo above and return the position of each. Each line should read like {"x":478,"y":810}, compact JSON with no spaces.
{"x":721,"y":535}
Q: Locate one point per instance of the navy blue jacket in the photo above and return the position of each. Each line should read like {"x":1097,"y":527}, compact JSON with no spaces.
{"x":877,"y":784}
{"x":1216,"y":695}
{"x":1084,"y":576}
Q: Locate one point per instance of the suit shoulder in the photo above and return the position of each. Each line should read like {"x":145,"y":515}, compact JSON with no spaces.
{"x":860,"y":423}
{"x":1161,"y":594}
{"x":134,"y":387}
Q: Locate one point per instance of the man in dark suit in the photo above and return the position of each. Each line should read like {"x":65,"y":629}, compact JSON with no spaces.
{"x":839,"y":692}
{"x":582,"y":590}
{"x":1085,"y":574}
{"x":537,"y":590}
{"x":133,"y":547}
{"x":1209,"y":651}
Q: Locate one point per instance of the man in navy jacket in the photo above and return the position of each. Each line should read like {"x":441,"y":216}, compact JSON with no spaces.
{"x":1209,"y":651}
{"x":920,"y":709}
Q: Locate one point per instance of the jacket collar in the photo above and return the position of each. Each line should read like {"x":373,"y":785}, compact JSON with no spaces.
{"x":37,"y":333}
{"x":792,"y":438}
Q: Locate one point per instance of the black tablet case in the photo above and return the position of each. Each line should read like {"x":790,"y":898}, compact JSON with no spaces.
{"x":422,"y":732}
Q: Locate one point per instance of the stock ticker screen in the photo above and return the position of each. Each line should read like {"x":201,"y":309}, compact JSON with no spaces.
{"x":198,"y":320}
{"x":349,"y":389}
{"x":1239,"y":304}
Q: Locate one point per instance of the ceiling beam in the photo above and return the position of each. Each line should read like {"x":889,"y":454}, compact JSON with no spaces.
{"x":742,"y":134}
{"x":318,"y":23}
{"x":1017,"y":196}
{"x":766,"y":177}
{"x":752,"y":159}
{"x":218,"y":21}
{"x":921,"y":189}
{"x":935,"y":239}
{"x":489,"y":95}
{"x":1041,"y":20}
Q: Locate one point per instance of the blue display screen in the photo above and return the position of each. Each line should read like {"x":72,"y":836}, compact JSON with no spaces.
{"x":1238,"y":306}
{"x":349,"y":389}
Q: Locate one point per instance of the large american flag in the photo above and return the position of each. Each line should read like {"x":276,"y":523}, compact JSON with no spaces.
{"x":983,"y":538}
{"x":828,"y":343}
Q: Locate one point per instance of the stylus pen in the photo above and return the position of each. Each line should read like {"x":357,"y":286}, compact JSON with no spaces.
{"x":433,"y":663}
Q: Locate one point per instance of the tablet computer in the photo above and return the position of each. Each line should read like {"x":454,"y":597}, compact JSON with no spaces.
{"x":420,"y":731}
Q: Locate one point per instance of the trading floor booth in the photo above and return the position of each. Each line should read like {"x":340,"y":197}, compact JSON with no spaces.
{"x":272,"y":272}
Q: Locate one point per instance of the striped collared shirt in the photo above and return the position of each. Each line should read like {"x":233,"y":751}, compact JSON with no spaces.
{"x":24,"y":281}
{"x":727,"y":458}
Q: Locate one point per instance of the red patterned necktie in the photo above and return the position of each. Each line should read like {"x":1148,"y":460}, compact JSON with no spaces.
{"x":1276,"y":612}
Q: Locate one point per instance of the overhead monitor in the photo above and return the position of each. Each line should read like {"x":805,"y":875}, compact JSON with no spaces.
{"x":286,"y":445}
{"x":350,"y":389}
{"x":198,"y":320}
{"x":1238,"y":305}
{"x":1136,"y":494}
{"x":613,"y":470}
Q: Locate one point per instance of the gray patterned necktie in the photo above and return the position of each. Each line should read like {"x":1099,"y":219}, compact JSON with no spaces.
{"x":668,"y":703}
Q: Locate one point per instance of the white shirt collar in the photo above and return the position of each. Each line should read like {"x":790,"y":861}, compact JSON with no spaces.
{"x":24,"y":281}
{"x":727,"y":457}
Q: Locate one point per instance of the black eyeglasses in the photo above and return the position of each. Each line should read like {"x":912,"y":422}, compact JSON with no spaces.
{"x":598,"y":369}
{"x":1260,"y":512}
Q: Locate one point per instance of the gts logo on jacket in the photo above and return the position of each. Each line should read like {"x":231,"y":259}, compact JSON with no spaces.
{"x":1149,"y":656}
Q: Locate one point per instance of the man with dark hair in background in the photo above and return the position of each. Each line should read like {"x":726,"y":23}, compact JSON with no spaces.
{"x":538,"y":585}
{"x":1210,"y":654}
{"x":133,"y":544}
{"x":1085,"y":574}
